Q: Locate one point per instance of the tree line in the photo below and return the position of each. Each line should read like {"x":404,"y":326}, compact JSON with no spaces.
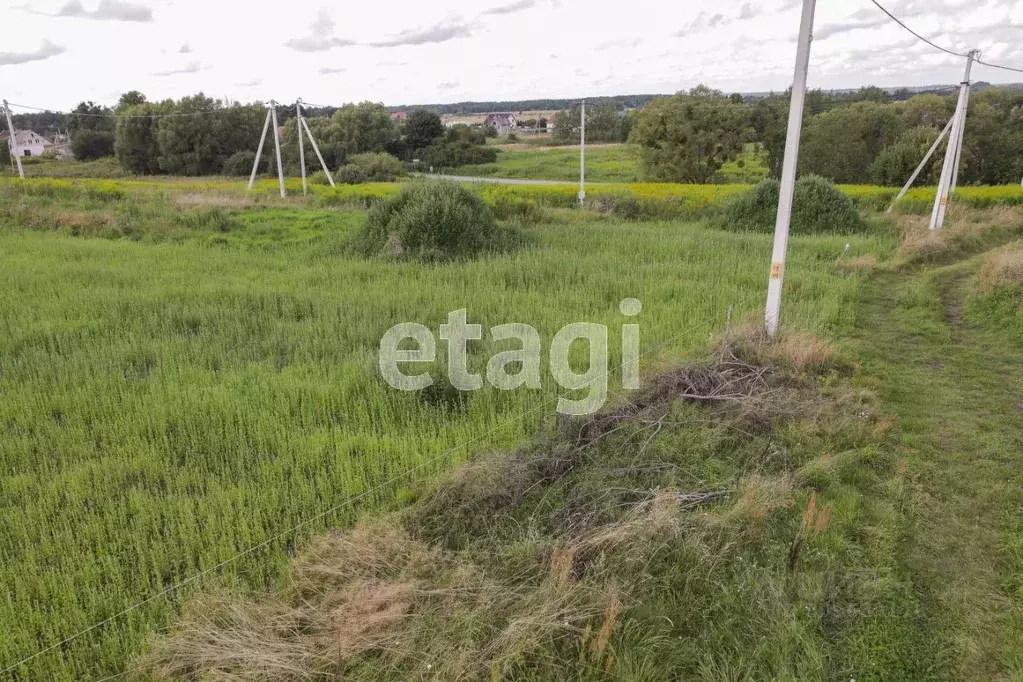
{"x":864,"y":137}
{"x":199,"y":135}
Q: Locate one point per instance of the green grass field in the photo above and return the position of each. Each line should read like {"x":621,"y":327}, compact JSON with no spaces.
{"x":183,"y":383}
{"x":616,"y":163}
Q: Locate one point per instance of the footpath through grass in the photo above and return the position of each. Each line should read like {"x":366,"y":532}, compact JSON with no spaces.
{"x":954,"y":610}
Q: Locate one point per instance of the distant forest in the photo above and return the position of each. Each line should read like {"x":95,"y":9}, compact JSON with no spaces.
{"x":468,"y":108}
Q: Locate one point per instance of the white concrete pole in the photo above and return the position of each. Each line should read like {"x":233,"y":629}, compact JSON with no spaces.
{"x":259,"y":152}
{"x":316,"y":148}
{"x":301,"y":147}
{"x":13,"y":144}
{"x":582,"y":153}
{"x":945,"y":183}
{"x":788,"y":171}
{"x":959,"y":147}
{"x":927,"y":157}
{"x":277,"y":145}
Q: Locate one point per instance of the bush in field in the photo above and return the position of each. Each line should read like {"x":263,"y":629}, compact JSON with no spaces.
{"x":457,"y":153}
{"x":817,"y":208}
{"x":371,"y":167}
{"x":350,"y":174}
{"x":239,"y":164}
{"x":431,"y":220}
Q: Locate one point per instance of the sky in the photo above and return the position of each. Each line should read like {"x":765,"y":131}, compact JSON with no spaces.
{"x":55,"y":54}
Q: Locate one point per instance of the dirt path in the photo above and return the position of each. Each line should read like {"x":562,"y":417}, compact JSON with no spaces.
{"x":956,"y":388}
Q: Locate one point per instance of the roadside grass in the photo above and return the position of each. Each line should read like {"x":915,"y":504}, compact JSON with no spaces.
{"x":202,"y":378}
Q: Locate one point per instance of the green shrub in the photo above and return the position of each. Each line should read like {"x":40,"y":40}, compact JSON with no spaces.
{"x":435,"y":219}
{"x":350,"y":174}
{"x":457,"y":153}
{"x":371,"y":167}
{"x":818,"y":207}
{"x":239,"y":164}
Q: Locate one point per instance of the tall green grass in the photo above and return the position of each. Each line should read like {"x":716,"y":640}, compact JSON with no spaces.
{"x":169,"y":403}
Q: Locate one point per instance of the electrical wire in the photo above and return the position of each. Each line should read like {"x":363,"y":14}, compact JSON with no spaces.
{"x":348,"y":501}
{"x":998,"y":66}
{"x":939,"y":47}
{"x":932,"y":44}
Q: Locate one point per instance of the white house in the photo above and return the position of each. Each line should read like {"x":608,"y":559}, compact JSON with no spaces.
{"x":29,"y":143}
{"x":503,"y":123}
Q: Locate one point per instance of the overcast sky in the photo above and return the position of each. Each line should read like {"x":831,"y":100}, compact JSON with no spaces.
{"x":55,"y":54}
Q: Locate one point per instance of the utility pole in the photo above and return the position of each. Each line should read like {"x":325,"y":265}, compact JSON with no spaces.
{"x":951,"y":154}
{"x":788,"y":172}
{"x":316,"y":148}
{"x":277,"y":145}
{"x":582,"y":153}
{"x":301,"y":147}
{"x":259,"y":152}
{"x":927,"y":157}
{"x":13,"y":144}
{"x":959,"y":147}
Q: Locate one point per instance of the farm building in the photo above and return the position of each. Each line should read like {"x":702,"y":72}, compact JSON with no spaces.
{"x":503,"y":123}
{"x":29,"y":143}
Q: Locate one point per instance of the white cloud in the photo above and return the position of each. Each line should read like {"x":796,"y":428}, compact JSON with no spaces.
{"x":438,"y":33}
{"x":107,"y":10}
{"x":192,"y":67}
{"x":398,"y":51}
{"x":45,"y":51}
{"x":511,"y":8}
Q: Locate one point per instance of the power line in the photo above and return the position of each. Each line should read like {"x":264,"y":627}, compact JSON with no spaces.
{"x":939,"y":47}
{"x":932,"y":44}
{"x":998,"y":66}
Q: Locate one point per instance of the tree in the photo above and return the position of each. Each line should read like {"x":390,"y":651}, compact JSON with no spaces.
{"x":688,"y":137}
{"x":130,"y":99}
{"x":770,"y":124}
{"x":358,"y":128}
{"x":90,"y":116}
{"x":566,"y":125}
{"x":135,"y":142}
{"x":927,"y":110}
{"x":897,"y":161}
{"x":5,"y":155}
{"x":842,"y":144}
{"x":199,"y":144}
{"x":88,"y":145}
{"x":422,"y":128}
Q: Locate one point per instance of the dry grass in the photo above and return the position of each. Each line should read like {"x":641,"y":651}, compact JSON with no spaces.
{"x":918,"y":243}
{"x":857,"y":265}
{"x":486,"y":579}
{"x":1001,"y":269}
{"x":211,"y":200}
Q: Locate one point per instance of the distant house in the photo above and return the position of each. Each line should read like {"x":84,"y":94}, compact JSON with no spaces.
{"x":399,"y":115}
{"x":502,"y":123}
{"x":28,"y":142}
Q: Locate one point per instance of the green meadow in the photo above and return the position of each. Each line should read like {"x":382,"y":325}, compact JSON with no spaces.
{"x":188,"y":375}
